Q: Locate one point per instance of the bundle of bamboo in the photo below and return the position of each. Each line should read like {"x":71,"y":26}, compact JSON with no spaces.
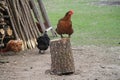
{"x":22,"y":21}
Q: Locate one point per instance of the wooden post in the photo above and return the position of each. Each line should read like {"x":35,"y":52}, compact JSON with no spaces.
{"x":45,"y":17}
{"x":44,"y":13}
{"x":61,"y":57}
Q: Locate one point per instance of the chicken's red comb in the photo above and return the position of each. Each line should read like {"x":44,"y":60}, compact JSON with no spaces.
{"x":71,"y":11}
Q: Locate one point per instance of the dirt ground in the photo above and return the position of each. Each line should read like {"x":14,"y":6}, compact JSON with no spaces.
{"x":91,"y":63}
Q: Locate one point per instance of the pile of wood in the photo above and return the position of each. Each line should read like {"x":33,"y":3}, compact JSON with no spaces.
{"x":6,"y":32}
{"x":23,"y":23}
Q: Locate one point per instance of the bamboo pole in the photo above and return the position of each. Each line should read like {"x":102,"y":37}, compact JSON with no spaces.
{"x":37,"y":15}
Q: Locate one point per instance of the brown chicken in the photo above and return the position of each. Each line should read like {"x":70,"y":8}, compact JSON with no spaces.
{"x":13,"y":45}
{"x":64,"y":25}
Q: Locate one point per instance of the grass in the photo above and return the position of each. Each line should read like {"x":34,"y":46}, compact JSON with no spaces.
{"x":93,"y":24}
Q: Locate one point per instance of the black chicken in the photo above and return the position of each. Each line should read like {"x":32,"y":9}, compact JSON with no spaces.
{"x":43,"y":42}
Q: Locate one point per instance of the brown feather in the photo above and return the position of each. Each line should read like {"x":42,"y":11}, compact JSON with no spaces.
{"x":64,"y":25}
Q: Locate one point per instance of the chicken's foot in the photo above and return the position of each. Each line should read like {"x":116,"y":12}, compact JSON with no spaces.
{"x":41,"y":51}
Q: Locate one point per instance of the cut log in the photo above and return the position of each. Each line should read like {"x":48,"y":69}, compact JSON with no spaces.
{"x":61,"y":57}
{"x":9,"y":32}
{"x":2,"y":31}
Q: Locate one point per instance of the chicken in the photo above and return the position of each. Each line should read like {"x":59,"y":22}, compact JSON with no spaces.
{"x":13,"y":45}
{"x":64,"y":25}
{"x":43,"y":42}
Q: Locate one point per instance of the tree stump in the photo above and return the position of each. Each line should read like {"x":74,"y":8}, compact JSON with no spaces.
{"x":61,"y":57}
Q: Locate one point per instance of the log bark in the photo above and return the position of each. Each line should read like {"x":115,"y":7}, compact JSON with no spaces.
{"x":61,"y":57}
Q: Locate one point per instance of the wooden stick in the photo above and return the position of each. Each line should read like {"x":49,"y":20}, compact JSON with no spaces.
{"x":21,"y":31}
{"x":44,"y":14}
{"x":37,"y":15}
{"x":34,"y":26}
{"x":24,"y":25}
{"x":30,"y":26}
{"x":27,"y":26}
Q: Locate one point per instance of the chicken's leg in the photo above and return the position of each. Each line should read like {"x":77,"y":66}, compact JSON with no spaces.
{"x":61,"y":36}
{"x":39,"y":51}
{"x":69,"y":36}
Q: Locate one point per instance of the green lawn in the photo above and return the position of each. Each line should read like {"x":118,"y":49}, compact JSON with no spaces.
{"x":93,"y":24}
